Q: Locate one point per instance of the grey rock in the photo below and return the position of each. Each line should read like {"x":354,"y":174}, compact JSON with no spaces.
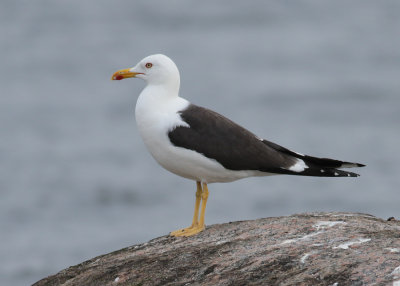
{"x":305,"y":249}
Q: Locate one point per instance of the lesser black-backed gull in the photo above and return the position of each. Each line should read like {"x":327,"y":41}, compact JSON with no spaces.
{"x":202,"y":145}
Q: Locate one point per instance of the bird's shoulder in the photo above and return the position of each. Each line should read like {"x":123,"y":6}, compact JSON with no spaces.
{"x":199,"y":118}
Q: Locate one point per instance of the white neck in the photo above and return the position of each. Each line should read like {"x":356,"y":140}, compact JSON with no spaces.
{"x":155,"y":100}
{"x":173,"y":85}
{"x":158,"y":93}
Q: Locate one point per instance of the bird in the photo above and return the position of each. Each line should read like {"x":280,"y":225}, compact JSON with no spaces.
{"x":204,"y":146}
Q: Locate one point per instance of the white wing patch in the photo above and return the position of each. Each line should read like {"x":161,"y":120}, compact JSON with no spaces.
{"x":299,"y":166}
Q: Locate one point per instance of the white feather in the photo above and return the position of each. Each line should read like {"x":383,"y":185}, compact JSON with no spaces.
{"x":299,"y":166}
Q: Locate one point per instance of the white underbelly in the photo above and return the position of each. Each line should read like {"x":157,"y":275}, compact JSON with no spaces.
{"x":192,"y":165}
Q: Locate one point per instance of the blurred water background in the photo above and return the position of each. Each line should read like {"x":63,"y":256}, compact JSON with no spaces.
{"x":320,"y":77}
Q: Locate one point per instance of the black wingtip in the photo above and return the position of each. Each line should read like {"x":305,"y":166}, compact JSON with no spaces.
{"x":350,"y":174}
{"x":337,"y":173}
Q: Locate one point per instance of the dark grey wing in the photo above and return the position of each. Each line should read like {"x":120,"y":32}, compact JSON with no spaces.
{"x":219,"y":138}
{"x":236,"y":148}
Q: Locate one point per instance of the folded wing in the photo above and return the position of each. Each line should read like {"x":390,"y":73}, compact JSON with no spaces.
{"x":236,"y":148}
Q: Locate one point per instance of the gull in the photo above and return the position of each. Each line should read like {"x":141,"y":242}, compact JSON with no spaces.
{"x":201,"y":145}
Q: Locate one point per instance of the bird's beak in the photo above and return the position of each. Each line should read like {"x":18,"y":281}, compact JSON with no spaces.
{"x":125,"y":73}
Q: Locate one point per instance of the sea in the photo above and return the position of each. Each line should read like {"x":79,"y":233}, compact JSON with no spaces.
{"x":76,"y":181}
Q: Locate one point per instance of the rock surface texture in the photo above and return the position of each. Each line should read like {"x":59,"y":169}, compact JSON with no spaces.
{"x":306,"y":249}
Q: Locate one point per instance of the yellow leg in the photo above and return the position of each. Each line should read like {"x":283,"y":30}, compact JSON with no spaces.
{"x":195,"y":221}
{"x":197,"y":204}
{"x":204,"y":197}
{"x":197,"y":226}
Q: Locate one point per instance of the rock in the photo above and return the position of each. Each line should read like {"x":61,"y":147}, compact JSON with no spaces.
{"x":305,"y":249}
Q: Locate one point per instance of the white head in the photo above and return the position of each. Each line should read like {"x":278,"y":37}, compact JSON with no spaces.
{"x":155,"y":70}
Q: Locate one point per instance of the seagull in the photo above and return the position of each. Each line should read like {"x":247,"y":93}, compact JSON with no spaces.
{"x":204,"y":146}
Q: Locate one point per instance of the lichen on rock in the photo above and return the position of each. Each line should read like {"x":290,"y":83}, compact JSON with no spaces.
{"x":303,"y":249}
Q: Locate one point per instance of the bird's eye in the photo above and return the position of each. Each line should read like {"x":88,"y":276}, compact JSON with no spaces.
{"x":148,"y":65}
